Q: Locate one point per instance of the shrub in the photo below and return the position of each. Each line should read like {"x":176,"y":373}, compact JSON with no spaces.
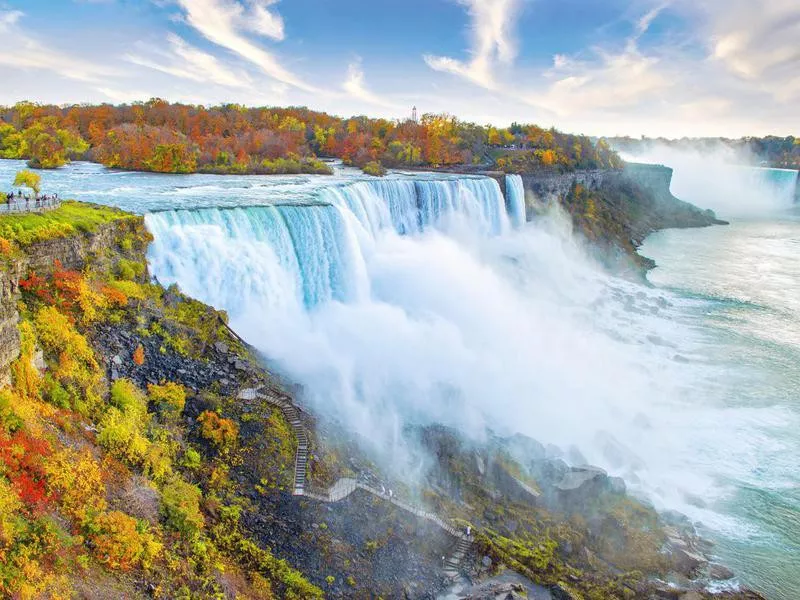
{"x":129,"y":399}
{"x":77,"y":480}
{"x":374,"y":168}
{"x":129,"y":269}
{"x":138,"y":355}
{"x":76,"y":359}
{"x":221,"y":432}
{"x":180,"y":507}
{"x":121,"y":543}
{"x":169,"y":397}
{"x":130,"y":289}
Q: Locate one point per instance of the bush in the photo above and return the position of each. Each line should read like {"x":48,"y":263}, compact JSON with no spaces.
{"x":121,"y":543}
{"x":169,"y":397}
{"x":221,"y":432}
{"x":138,"y":356}
{"x":129,"y":269}
{"x":374,"y":168}
{"x":180,"y":507}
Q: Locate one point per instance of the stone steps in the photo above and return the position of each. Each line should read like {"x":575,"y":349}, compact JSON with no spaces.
{"x":346,"y":486}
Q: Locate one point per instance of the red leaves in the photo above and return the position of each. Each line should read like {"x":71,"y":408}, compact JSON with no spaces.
{"x":22,"y":462}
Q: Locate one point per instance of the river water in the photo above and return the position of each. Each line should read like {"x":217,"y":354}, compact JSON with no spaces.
{"x":420,"y":298}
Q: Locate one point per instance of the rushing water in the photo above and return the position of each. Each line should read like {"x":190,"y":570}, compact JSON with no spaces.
{"x":426,"y":298}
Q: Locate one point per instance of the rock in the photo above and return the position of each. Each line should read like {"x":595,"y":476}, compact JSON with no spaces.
{"x":486,"y":561}
{"x":688,"y":561}
{"x":117,"y":360}
{"x":221,"y":347}
{"x":578,"y":477}
{"x":617,"y":485}
{"x":692,"y":596}
{"x":38,"y":361}
{"x":719,"y":572}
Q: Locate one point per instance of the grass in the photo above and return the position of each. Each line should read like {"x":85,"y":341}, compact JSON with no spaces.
{"x":28,"y":228}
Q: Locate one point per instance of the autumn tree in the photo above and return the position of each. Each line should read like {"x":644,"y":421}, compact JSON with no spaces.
{"x":28,"y":179}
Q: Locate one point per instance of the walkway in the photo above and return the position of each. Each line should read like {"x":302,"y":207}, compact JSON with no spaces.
{"x":346,"y":486}
{"x":20,"y":206}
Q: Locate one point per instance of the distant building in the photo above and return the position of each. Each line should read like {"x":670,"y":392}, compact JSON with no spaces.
{"x":414,"y":115}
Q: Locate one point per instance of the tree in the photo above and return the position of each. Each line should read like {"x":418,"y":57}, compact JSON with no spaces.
{"x":28,"y":179}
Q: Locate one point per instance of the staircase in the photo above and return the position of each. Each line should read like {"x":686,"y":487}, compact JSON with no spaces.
{"x":453,"y":562}
{"x":346,"y":486}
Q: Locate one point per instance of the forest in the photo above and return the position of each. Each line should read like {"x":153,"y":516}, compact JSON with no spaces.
{"x":163,"y":137}
{"x":769,"y":151}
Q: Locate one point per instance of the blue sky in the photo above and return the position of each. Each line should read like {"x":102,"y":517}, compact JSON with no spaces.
{"x":655,"y":67}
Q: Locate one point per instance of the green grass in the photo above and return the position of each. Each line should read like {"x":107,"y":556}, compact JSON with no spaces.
{"x":28,"y":228}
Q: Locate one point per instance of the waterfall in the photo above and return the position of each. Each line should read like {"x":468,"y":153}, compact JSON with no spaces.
{"x":515,"y":190}
{"x":288,"y":256}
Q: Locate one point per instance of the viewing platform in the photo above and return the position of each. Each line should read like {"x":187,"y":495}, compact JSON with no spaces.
{"x":29,"y":205}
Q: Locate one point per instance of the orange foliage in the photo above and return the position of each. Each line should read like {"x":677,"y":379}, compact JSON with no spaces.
{"x":114,"y":296}
{"x":220,"y":431}
{"x":138,"y":355}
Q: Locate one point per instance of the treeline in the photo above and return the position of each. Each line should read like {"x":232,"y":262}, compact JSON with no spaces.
{"x":178,"y":138}
{"x":771,"y":151}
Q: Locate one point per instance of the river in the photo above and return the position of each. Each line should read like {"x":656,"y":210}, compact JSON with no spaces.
{"x":458,"y":314}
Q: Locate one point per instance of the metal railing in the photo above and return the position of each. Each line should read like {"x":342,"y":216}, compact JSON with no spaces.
{"x":21,"y":205}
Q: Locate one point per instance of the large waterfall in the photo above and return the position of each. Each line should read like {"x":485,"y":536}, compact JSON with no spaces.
{"x":311,"y":253}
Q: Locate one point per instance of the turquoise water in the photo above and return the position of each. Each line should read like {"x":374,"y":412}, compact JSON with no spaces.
{"x":689,"y":390}
{"x":746,"y":279}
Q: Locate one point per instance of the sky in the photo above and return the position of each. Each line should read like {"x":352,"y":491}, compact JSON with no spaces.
{"x":669,"y":68}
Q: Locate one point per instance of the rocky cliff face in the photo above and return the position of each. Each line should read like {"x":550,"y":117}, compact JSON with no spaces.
{"x":103,"y":248}
{"x":616,"y":209}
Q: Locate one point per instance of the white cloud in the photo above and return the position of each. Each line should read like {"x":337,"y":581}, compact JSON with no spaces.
{"x":225,"y":23}
{"x":185,"y":61}
{"x":356,"y":87}
{"x":24,"y":51}
{"x":492,"y":42}
{"x":755,"y":40}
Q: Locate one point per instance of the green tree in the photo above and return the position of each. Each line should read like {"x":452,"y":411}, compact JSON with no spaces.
{"x":28,"y":179}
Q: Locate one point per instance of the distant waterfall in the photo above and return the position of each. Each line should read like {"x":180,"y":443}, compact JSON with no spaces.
{"x":308,"y":255}
{"x":515,"y":190}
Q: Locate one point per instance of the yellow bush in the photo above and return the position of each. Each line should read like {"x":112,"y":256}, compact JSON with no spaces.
{"x":9,"y":505}
{"x":77,"y":479}
{"x":27,"y":381}
{"x":120,"y":543}
{"x":169,"y":396}
{"x":60,"y":338}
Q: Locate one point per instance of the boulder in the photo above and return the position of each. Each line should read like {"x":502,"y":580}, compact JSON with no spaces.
{"x":719,"y":572}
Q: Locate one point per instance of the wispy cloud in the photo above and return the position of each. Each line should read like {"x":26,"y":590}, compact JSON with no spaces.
{"x":226,"y":23}
{"x":25,"y":51}
{"x":493,"y":42}
{"x":356,"y":87}
{"x":185,"y":61}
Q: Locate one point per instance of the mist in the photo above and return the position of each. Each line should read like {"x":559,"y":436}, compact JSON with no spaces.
{"x":515,"y":331}
{"x":730,"y":182}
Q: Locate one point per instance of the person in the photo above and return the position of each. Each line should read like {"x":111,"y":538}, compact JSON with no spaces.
{"x":469,"y":528}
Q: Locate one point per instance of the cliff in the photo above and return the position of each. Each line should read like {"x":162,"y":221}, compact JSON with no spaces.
{"x":146,"y":453}
{"x":615,"y":210}
{"x":74,"y":250}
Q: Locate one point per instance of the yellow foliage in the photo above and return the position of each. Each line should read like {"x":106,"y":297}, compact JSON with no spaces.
{"x":169,"y":396}
{"x":27,"y":380}
{"x":9,"y":505}
{"x":120,"y":544}
{"x":76,"y":359}
{"x":222,"y":432}
{"x":77,"y":479}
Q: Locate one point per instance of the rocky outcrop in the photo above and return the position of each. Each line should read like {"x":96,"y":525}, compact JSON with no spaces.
{"x":102,"y":248}
{"x":615,"y":210}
